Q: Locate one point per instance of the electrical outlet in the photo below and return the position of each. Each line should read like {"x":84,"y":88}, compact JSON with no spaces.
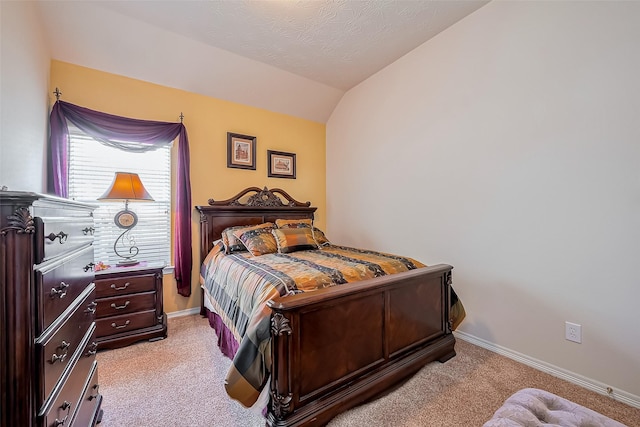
{"x":573,"y":332}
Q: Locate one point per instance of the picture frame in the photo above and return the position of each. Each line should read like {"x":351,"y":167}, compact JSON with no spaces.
{"x":281,"y":164}
{"x":241,"y":151}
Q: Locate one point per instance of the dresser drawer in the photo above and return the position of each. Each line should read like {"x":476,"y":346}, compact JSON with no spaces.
{"x":59,"y":283}
{"x":54,"y":349}
{"x":57,"y":235}
{"x":108,"y":287}
{"x":132,"y":303}
{"x":64,"y":405}
{"x":125,"y":323}
{"x":89,"y":405}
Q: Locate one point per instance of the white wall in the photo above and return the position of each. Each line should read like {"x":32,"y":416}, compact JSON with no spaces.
{"x":509,"y":147}
{"x":24,"y":66}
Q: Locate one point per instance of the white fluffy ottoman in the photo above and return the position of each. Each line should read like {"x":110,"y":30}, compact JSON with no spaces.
{"x":531,"y":407}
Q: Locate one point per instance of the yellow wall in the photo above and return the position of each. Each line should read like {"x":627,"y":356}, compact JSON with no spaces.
{"x":207,"y":120}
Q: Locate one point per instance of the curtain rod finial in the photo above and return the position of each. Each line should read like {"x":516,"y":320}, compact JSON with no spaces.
{"x":181,"y":116}
{"x":57,"y":93}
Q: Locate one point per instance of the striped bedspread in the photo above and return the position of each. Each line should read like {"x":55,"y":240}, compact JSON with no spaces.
{"x":239,"y":285}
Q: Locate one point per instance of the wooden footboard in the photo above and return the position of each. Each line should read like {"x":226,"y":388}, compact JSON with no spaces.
{"x":336,"y":348}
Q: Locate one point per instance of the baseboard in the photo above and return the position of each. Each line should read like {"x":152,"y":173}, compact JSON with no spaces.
{"x":187,"y":312}
{"x":588,"y":383}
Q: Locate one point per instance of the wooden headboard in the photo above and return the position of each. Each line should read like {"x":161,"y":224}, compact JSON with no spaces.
{"x":262,"y":206}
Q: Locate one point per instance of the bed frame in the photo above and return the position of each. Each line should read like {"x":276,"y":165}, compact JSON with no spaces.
{"x":338,"y":347}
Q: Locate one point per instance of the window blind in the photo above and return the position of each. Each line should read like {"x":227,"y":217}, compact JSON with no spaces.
{"x":92,"y":166}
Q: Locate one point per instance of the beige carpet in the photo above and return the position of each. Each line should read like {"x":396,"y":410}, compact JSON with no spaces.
{"x":179,"y":382}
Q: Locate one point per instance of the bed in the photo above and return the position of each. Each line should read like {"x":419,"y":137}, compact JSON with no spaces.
{"x":338,"y":346}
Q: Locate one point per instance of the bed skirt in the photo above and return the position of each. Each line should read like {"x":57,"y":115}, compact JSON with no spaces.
{"x":226,"y":341}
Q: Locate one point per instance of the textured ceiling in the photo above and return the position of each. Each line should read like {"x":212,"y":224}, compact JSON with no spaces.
{"x":338,"y":43}
{"x":292,"y":57}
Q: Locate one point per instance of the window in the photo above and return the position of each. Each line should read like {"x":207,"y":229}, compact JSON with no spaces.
{"x":92,"y":166}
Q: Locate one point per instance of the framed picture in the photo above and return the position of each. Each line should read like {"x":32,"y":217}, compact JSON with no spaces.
{"x":241,"y":151}
{"x":281,"y":165}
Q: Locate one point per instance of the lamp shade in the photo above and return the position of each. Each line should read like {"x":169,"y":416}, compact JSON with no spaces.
{"x":126,"y":186}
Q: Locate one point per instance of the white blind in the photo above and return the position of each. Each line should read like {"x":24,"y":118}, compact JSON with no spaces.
{"x":92,"y":166}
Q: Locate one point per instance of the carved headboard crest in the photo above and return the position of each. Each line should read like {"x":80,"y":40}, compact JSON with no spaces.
{"x":261,"y":198}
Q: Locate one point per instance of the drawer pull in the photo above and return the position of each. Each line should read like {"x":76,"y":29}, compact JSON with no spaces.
{"x":60,"y":358}
{"x":113,"y":325}
{"x":60,"y":292}
{"x":120,"y":307}
{"x":96,"y":387}
{"x":62,"y":236}
{"x":88,"y":267}
{"x":93,"y":348}
{"x":66,"y":406}
{"x":91,"y":307}
{"x":88,"y":230}
{"x":121,"y":288}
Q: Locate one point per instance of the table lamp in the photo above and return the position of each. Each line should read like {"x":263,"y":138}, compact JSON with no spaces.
{"x":126,"y":186}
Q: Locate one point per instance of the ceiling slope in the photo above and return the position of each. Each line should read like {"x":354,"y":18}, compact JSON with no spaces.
{"x":292,"y":57}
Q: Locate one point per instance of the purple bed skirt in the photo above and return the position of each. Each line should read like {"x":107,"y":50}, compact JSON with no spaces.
{"x":226,"y":341}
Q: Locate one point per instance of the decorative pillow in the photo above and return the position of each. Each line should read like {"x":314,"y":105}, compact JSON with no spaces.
{"x":232,"y":243}
{"x":294,"y":223}
{"x":320,"y":238}
{"x":318,"y":235}
{"x":294,"y":239}
{"x":258,"y":239}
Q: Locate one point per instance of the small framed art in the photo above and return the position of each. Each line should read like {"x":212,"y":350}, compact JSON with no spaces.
{"x":281,"y":165}
{"x":241,"y":151}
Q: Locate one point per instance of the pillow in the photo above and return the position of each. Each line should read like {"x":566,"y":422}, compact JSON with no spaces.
{"x":294,"y":239}
{"x":320,"y":238}
{"x":294,"y":223}
{"x":318,"y":235}
{"x":232,"y":243}
{"x":258,"y":239}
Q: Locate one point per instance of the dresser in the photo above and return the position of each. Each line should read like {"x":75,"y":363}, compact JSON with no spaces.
{"x":48,"y":368}
{"x":129,"y":305}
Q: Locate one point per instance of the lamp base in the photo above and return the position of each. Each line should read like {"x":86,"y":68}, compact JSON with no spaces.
{"x":127,"y":259}
{"x":127,"y":263}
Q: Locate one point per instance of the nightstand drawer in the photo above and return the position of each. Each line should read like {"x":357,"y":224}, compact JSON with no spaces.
{"x":125,"y":323}
{"x":115,"y":306}
{"x":129,"y":305}
{"x":108,"y":287}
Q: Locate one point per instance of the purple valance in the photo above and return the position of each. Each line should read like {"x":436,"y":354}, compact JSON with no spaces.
{"x":109,"y":129}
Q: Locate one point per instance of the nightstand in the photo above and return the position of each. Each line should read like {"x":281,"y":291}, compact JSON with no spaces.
{"x":129,"y":305}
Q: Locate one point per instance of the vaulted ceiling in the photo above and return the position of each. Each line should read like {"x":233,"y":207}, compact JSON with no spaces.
{"x":294,"y":57}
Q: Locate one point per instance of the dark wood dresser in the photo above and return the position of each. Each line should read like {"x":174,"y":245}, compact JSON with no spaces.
{"x":48,"y":368}
{"x":129,"y":305}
